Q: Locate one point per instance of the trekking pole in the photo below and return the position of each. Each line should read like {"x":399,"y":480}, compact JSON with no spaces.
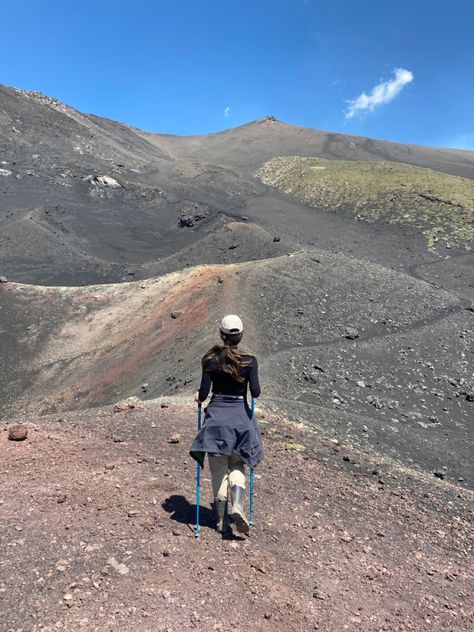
{"x":198,"y":481}
{"x":251,"y":480}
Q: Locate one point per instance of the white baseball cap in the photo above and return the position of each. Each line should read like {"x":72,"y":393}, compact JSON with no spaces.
{"x":231,"y":324}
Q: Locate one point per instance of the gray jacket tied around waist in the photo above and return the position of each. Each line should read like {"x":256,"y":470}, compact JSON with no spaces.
{"x":228,"y":428}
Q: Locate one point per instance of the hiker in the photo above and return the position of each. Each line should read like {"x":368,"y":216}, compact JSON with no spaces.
{"x":230,"y":434}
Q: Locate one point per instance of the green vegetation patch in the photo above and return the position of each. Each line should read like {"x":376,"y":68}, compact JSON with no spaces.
{"x":289,"y":445}
{"x":440,"y":205}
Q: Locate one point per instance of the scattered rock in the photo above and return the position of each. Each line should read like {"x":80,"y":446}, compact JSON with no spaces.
{"x":5,"y":172}
{"x":177,"y":313}
{"x":120,"y":407}
{"x":103,"y":181}
{"x":439,"y":474}
{"x":18,"y":433}
{"x":68,"y":598}
{"x":120,"y":568}
{"x":351,"y":333}
{"x":130,"y":402}
{"x":191,"y":214}
{"x":3,"y":279}
{"x":133,"y":512}
{"x":61,"y":499}
{"x":275,"y":239}
{"x":174,"y":438}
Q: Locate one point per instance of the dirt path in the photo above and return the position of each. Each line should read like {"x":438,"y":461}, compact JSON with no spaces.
{"x":97,"y":512}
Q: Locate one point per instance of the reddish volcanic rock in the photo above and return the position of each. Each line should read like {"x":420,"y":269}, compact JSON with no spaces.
{"x":18,"y":433}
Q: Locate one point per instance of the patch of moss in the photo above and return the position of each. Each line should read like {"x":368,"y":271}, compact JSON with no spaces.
{"x":440,"y":205}
{"x":299,"y":447}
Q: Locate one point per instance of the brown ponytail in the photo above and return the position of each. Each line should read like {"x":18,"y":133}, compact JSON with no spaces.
{"x":226,"y":358}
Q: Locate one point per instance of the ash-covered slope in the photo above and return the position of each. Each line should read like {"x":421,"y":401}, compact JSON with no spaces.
{"x":250,"y":145}
{"x":85,"y":199}
{"x":201,"y":230}
{"x":401,"y":384}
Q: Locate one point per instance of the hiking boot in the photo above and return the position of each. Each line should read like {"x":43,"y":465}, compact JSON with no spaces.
{"x":222,"y":519}
{"x":237,"y":511}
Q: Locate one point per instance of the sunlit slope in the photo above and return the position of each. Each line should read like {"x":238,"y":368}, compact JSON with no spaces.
{"x":441,"y":205}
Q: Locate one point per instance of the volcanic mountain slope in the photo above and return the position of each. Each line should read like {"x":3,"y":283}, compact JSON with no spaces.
{"x":63,"y":222}
{"x":241,"y":221}
{"x":401,"y":384}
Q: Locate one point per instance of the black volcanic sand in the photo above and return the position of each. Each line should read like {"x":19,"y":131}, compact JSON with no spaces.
{"x":297,"y":275}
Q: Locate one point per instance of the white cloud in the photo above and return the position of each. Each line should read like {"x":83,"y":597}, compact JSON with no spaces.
{"x":227,"y":112}
{"x":383,"y":92}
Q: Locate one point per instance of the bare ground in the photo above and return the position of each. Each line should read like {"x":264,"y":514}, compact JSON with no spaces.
{"x":97,"y":512}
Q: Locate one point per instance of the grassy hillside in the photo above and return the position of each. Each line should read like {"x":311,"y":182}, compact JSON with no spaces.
{"x":441,"y":205}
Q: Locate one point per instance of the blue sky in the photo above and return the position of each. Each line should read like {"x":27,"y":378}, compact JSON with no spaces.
{"x":394,"y":69}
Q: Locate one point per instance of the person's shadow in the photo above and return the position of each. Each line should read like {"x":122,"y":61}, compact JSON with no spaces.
{"x":184,"y":512}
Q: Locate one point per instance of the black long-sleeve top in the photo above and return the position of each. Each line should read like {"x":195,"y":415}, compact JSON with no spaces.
{"x":225,"y":384}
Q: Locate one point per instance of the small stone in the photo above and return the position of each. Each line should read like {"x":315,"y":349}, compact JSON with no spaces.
{"x":439,"y":474}
{"x":268,"y":615}
{"x":61,"y":499}
{"x":275,"y":239}
{"x":103,"y":181}
{"x":18,"y":433}
{"x":121,"y":569}
{"x":166,"y":553}
{"x":109,"y":466}
{"x":177,"y":313}
{"x":120,"y":407}
{"x":174,"y":438}
{"x":3,"y":279}
{"x":351,"y":333}
{"x":130,"y":402}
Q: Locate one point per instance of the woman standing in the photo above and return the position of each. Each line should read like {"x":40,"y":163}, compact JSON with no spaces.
{"x":230,"y":434}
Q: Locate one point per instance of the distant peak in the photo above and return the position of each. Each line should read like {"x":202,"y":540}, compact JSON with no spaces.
{"x":268,"y":119}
